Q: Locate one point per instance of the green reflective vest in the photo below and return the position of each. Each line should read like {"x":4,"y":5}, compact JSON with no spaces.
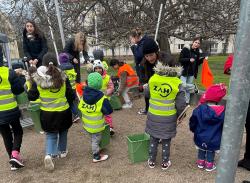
{"x":92,"y":117}
{"x":71,"y":74}
{"x":53,"y":99}
{"x":7,"y":99}
{"x":163,"y":91}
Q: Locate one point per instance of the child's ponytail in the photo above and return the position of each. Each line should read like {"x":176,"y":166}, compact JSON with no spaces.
{"x":50,"y":61}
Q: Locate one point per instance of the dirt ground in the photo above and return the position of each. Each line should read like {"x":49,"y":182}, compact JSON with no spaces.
{"x":78,"y":166}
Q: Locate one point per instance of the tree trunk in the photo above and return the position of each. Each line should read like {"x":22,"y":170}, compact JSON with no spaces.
{"x":224,"y":51}
{"x":113,"y":51}
{"x":164,"y":42}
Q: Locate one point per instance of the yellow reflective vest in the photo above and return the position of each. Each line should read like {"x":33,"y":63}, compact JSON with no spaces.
{"x":71,"y":74}
{"x":53,"y":99}
{"x":163,"y":91}
{"x":92,"y":117}
{"x":7,"y":99}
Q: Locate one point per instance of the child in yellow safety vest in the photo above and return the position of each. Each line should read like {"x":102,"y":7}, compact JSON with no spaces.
{"x":53,"y":89}
{"x":128,"y":79}
{"x":68,"y":68}
{"x":166,"y":103}
{"x":107,"y":89}
{"x":93,"y":106}
{"x":10,"y":127}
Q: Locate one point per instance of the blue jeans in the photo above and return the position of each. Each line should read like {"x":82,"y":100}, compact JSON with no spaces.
{"x":73,"y":109}
{"x":206,"y":155}
{"x":56,"y":142}
{"x":187,"y":82}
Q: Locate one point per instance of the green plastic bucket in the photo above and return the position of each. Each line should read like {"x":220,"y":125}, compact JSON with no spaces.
{"x":115,"y":102}
{"x":22,"y":98}
{"x":34,"y":110}
{"x":105,"y":137}
{"x":138,"y":146}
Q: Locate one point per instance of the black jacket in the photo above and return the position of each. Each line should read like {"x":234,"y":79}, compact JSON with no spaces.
{"x":16,"y":88}
{"x":137,"y":50}
{"x":69,"y":48}
{"x":190,"y":69}
{"x":35,"y":49}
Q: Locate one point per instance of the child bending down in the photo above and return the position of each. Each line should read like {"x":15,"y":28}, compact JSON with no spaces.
{"x":206,"y":123}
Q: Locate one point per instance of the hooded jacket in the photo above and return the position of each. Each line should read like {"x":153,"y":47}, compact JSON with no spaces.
{"x":52,"y":121}
{"x":92,"y":96}
{"x":34,"y":49}
{"x":206,"y":124}
{"x":189,"y":68}
{"x":164,"y":127}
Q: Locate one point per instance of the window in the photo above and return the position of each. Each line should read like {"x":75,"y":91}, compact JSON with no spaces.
{"x":214,"y":47}
{"x":180,"y":46}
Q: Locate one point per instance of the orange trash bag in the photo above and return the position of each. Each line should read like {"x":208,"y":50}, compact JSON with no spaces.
{"x":207,"y":77}
{"x":79,"y":88}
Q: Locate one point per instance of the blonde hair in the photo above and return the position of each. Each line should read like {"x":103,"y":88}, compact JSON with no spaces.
{"x":78,"y":46}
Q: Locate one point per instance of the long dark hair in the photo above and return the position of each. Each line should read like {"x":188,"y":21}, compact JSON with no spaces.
{"x":37,"y":33}
{"x":50,"y":61}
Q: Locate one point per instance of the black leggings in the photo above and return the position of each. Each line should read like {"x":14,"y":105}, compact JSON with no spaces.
{"x":146,"y":103}
{"x":247,"y":152}
{"x":8,"y":134}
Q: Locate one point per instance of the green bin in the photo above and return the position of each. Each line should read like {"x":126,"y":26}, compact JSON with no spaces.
{"x":115,"y":102}
{"x":34,"y":110}
{"x":138,"y":146}
{"x":22,"y":98}
{"x":105,"y":137}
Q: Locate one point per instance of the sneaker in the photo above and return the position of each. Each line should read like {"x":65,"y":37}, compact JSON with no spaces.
{"x":63,"y":154}
{"x":48,"y":162}
{"x":127,"y":105}
{"x":200,"y":163}
{"x":142,"y":112}
{"x":112,"y":132}
{"x":165,"y":165}
{"x":75,"y":119}
{"x":13,"y":168}
{"x":196,"y":89}
{"x":151,"y":164}
{"x":16,"y":160}
{"x":101,"y":157}
{"x":210,"y":166}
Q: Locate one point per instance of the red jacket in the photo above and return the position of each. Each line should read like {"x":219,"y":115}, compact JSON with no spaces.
{"x":228,"y":64}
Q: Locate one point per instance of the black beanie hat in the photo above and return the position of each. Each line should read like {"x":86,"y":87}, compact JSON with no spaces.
{"x":149,"y":46}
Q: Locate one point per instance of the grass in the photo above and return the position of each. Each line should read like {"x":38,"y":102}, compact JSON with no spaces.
{"x":216,"y":64}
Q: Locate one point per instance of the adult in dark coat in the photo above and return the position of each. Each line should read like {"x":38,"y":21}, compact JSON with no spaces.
{"x":137,"y":41}
{"x":77,"y":50}
{"x":152,"y":56}
{"x":190,"y":60}
{"x":10,"y":127}
{"x":34,"y":44}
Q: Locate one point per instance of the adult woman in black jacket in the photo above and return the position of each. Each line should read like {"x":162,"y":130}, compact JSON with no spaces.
{"x":190,"y":60}
{"x":77,"y":49}
{"x":34,"y":44}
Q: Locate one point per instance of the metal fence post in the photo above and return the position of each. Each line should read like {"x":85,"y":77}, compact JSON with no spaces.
{"x":238,"y":100}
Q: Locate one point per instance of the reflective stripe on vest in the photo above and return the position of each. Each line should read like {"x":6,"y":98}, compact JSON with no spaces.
{"x":7,"y":99}
{"x":71,"y":74}
{"x":92,"y":117}
{"x":53,"y":99}
{"x":163,"y":91}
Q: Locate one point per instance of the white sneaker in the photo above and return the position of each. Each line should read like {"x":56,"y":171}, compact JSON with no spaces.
{"x":63,"y":154}
{"x":127,"y":105}
{"x":48,"y":162}
{"x":102,"y":158}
